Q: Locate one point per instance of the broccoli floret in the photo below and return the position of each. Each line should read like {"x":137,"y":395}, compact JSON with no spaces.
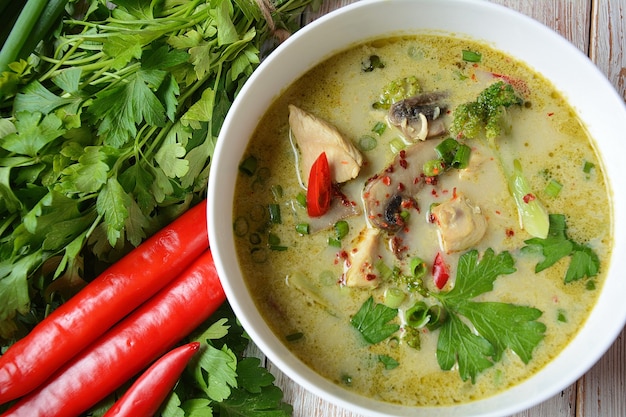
{"x":398,"y":90}
{"x":487,"y":112}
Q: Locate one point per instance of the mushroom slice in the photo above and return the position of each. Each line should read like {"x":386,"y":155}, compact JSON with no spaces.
{"x":360,"y":265}
{"x":391,"y":191}
{"x":420,"y":117}
{"x":461,"y":225}
{"x":314,"y":136}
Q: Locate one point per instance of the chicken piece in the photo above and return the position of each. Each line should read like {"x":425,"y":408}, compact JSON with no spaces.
{"x":420,"y":117}
{"x":314,"y":136}
{"x":460,"y":224}
{"x":361,"y":261}
{"x":394,"y":189}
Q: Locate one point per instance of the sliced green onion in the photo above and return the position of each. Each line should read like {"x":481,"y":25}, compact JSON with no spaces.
{"x":394,"y":297}
{"x":471,"y":56}
{"x":383,"y":269}
{"x":397,"y":145}
{"x":258,"y":255}
{"x":434,"y":167}
{"x":379,"y":128}
{"x":294,"y":336}
{"x":249,"y":165}
{"x":277,"y":191}
{"x":461,"y":157}
{"x":588,"y":166}
{"x":417,"y":316}
{"x":278,"y":248}
{"x":418,"y":267}
{"x":301,"y":199}
{"x":405,"y":215}
{"x":447,"y":149}
{"x":303,"y":228}
{"x":437,"y":317}
{"x":255,"y":238}
{"x":341,"y":229}
{"x":334,"y":242}
{"x":274,"y":210}
{"x":240,"y":226}
{"x":367,"y":143}
{"x":553,"y":188}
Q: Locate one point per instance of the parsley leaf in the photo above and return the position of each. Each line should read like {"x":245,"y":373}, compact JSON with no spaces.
{"x":475,"y":277}
{"x":557,"y":245}
{"x":457,"y":343}
{"x":496,"y":326}
{"x":372,"y":321}
{"x":267,"y":403}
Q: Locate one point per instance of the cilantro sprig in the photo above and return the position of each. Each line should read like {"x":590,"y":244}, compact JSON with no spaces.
{"x":584,"y":262}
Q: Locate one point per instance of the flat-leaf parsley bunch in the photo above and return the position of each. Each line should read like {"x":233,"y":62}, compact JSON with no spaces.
{"x":107,"y":133}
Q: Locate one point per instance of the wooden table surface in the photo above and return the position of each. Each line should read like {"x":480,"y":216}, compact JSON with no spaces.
{"x":597,"y":27}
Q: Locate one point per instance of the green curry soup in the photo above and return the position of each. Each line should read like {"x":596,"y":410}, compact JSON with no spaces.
{"x":355,"y":293}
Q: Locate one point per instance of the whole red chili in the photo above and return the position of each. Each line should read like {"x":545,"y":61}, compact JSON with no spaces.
{"x":147,"y":394}
{"x":129,"y":346}
{"x":106,"y":300}
{"x":319,"y":191}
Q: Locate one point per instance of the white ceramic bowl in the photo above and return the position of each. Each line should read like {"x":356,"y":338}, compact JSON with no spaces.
{"x":586,"y":89}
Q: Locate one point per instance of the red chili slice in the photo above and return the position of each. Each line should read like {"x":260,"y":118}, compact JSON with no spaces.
{"x":319,"y":193}
{"x":440,"y":271}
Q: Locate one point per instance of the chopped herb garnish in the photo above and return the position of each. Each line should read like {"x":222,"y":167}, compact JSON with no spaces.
{"x":557,"y":245}
{"x":373,"y":321}
{"x":379,"y":128}
{"x":274,"y":210}
{"x":471,"y":56}
{"x":301,"y":199}
{"x":341,"y":229}
{"x":389,"y":362}
{"x":588,"y":166}
{"x":303,"y":228}
{"x":277,"y":191}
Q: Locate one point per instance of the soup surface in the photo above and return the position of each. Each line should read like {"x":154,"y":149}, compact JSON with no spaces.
{"x":468,"y":229}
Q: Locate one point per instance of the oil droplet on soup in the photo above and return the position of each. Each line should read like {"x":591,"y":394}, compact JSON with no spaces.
{"x":357,"y":293}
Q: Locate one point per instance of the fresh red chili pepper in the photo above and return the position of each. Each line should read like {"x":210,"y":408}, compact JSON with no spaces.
{"x":440,"y":271}
{"x":319,"y":191}
{"x":129,"y":346}
{"x":147,"y":394}
{"x":106,"y":300}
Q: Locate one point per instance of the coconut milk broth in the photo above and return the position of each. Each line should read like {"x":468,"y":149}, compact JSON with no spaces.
{"x":299,"y":291}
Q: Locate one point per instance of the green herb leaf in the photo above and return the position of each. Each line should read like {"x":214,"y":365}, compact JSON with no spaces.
{"x":267,"y":403}
{"x":389,"y":362}
{"x":457,"y":343}
{"x":496,"y":326}
{"x":506,"y":326}
{"x":216,"y":374}
{"x":372,"y":321}
{"x":557,"y":245}
{"x":476,"y":276}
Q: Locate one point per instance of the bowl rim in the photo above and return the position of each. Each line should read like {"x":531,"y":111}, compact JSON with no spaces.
{"x":529,"y":392}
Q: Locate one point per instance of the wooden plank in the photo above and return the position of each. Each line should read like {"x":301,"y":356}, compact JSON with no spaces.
{"x":607,"y":39}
